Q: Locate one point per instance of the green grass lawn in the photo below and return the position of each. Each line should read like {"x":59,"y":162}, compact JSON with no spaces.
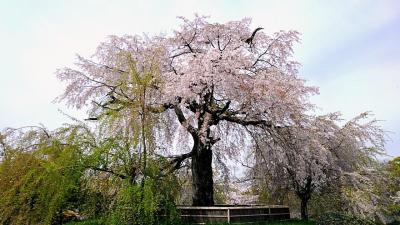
{"x":291,"y":222}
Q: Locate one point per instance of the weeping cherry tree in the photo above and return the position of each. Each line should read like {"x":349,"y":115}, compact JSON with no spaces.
{"x":215,"y":84}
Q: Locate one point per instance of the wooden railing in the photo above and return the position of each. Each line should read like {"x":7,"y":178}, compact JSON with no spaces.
{"x":233,"y":213}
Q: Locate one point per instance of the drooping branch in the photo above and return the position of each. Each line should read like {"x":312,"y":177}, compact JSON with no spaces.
{"x":104,"y":66}
{"x":122,"y":176}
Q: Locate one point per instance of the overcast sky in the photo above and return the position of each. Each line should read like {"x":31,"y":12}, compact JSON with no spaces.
{"x":349,"y":48}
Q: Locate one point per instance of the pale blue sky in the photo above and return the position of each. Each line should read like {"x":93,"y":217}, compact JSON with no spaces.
{"x":349,"y":48}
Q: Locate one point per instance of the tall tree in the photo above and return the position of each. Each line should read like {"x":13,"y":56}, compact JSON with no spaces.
{"x":215,"y":80}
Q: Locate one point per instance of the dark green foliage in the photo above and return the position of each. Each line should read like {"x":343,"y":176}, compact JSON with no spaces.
{"x":394,"y":223}
{"x":393,"y":168}
{"x":335,"y":218}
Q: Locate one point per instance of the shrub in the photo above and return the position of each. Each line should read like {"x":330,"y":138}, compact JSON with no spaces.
{"x":36,"y":187}
{"x":148,"y":202}
{"x":394,"y":223}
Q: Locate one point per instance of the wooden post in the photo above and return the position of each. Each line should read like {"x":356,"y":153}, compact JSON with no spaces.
{"x":229,"y":216}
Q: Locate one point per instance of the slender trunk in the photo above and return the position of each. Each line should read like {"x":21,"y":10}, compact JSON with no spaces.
{"x":303,"y":208}
{"x":144,"y":146}
{"x":144,"y":132}
{"x":202,"y":176}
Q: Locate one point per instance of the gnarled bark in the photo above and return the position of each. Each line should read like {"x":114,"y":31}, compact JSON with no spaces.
{"x":202,"y":175}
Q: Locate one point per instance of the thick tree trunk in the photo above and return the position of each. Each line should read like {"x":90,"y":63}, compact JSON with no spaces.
{"x":202,"y":175}
{"x":303,"y":208}
{"x":304,"y":194}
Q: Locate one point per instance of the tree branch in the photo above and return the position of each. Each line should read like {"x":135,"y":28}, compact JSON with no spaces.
{"x":178,"y":160}
{"x":122,"y":176}
{"x":161,"y":108}
{"x":174,"y":164}
{"x":184,"y":122}
{"x":244,"y":122}
{"x":226,"y":107}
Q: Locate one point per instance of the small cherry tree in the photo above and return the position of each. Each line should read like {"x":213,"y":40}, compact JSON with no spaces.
{"x":318,"y":152}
